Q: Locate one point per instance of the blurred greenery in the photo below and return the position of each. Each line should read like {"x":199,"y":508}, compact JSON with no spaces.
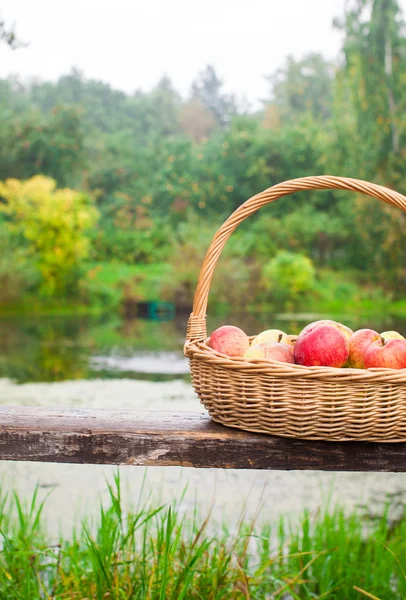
{"x":293,"y":273}
{"x":110,"y":198}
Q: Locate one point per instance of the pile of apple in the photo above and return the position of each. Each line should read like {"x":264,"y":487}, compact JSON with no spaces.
{"x":322,"y":343}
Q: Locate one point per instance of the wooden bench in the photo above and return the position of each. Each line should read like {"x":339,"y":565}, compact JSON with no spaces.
{"x":129,"y":437}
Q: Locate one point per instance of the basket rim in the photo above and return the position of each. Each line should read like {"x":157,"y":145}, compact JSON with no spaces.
{"x":199,"y":350}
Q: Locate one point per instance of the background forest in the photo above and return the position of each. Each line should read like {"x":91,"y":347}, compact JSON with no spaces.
{"x":110,"y":198}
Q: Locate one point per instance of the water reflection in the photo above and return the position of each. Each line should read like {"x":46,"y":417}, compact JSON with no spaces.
{"x":56,"y":349}
{"x":165,"y":363}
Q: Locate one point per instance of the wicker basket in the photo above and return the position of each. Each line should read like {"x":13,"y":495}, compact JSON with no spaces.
{"x":315,"y":403}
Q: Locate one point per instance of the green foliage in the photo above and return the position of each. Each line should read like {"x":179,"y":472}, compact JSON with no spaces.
{"x":289,"y":276}
{"x":303,"y":87}
{"x":113,"y":283}
{"x":17,"y":272}
{"x":51,"y":146}
{"x":233,"y":283}
{"x":53,"y":224}
{"x":375,"y":63}
{"x":132,"y":243}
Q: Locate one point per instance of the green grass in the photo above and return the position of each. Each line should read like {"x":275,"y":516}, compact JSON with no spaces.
{"x":155,"y":553}
{"x":146,"y":280}
{"x":47,"y":307}
{"x":107,"y":286}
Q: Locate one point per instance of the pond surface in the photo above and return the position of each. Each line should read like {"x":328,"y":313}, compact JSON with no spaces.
{"x":50,"y":349}
{"x":110,"y":363}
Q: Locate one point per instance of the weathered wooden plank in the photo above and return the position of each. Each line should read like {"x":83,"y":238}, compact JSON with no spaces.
{"x":126,"y":437}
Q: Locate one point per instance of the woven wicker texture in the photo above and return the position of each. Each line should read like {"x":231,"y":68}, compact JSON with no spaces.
{"x":318,"y":403}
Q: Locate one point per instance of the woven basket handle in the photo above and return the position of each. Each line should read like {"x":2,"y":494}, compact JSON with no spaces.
{"x":197,"y":320}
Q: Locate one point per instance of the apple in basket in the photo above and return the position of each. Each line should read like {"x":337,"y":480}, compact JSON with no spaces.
{"x":229,"y":340}
{"x":392,"y":335}
{"x":323,"y":345}
{"x":386,"y":354}
{"x":271,"y":335}
{"x":346,"y":331}
{"x":271,"y":351}
{"x":358,"y":344}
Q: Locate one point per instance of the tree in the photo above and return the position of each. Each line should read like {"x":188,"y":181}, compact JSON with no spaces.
{"x":8,"y":36}
{"x":289,"y":276}
{"x":272,"y":118}
{"x":208,"y":89}
{"x":165,"y":104}
{"x":375,"y":62}
{"x":53,"y":147}
{"x":54,"y":225}
{"x":373,"y":89}
{"x":303,"y":86}
{"x":17,"y":273}
{"x":196,"y":121}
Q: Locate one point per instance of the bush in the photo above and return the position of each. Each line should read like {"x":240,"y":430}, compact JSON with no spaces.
{"x":17,"y":274}
{"x":53,"y":226}
{"x":235,"y":282}
{"x":136,"y":245}
{"x":289,"y":276}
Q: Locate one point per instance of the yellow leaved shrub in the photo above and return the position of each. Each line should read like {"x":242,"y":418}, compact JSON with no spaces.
{"x":54,"y":224}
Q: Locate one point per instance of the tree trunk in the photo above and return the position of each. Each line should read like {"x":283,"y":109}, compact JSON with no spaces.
{"x":390,"y":94}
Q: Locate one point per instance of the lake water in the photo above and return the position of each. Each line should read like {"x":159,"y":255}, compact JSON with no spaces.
{"x":107,"y":362}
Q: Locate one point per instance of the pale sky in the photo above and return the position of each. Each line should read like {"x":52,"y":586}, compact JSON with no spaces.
{"x":132,"y":43}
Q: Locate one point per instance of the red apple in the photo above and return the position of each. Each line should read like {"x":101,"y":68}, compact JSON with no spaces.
{"x":358,"y":343}
{"x":346,"y":331}
{"x":229,"y":340}
{"x":323,"y":346}
{"x":272,"y":351}
{"x":390,"y":354}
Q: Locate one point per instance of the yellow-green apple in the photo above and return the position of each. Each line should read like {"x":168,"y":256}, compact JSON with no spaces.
{"x":229,"y":340}
{"x":358,"y":343}
{"x":392,"y":335}
{"x":384,"y":354}
{"x":271,"y":335}
{"x":323,"y":346}
{"x":346,"y":331}
{"x":271,"y":351}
